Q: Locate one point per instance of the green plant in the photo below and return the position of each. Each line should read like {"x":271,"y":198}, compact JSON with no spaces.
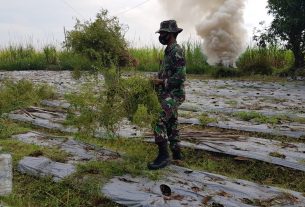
{"x":289,"y":26}
{"x":223,"y":72}
{"x":257,"y":117}
{"x":141,"y":117}
{"x":196,"y":62}
{"x":264,"y":61}
{"x":22,"y":94}
{"x":102,"y":40}
{"x":137,"y":91}
{"x":21,"y":58}
{"x":50,"y":54}
{"x":106,"y":105}
{"x":8,"y":128}
{"x":148,"y":58}
{"x":73,"y":61}
{"x":205,"y":119}
{"x":277,"y":154}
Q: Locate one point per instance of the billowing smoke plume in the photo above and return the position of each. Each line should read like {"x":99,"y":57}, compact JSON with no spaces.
{"x":219,"y":22}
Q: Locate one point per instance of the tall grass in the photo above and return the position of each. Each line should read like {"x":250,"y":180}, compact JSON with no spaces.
{"x":265,"y":61}
{"x":21,"y":58}
{"x":149,"y":58}
{"x":28,"y":58}
{"x":262,"y":61}
{"x":196,"y":62}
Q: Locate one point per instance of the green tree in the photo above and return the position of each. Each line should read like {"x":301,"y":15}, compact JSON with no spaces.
{"x":289,"y":26}
{"x":101,"y":40}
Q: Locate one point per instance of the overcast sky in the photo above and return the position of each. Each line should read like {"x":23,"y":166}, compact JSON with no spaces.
{"x":41,"y":22}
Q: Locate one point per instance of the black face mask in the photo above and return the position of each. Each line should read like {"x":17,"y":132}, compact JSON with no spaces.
{"x":164,"y":38}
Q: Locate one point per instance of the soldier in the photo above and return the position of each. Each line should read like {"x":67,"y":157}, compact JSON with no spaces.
{"x":170,"y":88}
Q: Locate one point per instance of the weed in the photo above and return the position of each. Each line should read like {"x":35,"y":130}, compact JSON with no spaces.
{"x":257,"y":117}
{"x":8,"y":128}
{"x":22,"y":94}
{"x":232,"y":103}
{"x":205,"y":119}
{"x":105,"y":106}
{"x":76,"y":74}
{"x":276,"y":154}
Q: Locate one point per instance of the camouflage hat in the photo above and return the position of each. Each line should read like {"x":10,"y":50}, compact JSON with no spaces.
{"x":169,"y":26}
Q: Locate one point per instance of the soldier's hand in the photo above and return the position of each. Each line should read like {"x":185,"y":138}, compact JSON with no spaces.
{"x":157,"y":81}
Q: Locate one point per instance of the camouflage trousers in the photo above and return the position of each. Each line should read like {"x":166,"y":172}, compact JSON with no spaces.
{"x":167,"y":124}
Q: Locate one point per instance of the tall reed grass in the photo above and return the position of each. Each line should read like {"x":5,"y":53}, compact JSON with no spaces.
{"x":28,"y":58}
{"x":263,"y":61}
{"x":149,"y":58}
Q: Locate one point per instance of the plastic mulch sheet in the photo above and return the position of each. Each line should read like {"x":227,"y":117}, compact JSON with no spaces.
{"x":184,"y":187}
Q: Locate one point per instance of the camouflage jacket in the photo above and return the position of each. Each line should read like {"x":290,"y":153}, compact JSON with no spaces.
{"x":173,"y":72}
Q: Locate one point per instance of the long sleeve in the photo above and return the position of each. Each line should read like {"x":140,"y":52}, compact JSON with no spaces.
{"x":178,"y":69}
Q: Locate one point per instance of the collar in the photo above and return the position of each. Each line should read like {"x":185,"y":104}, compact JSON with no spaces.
{"x":169,"y":48}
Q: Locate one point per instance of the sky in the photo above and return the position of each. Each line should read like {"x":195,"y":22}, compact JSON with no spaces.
{"x":42,"y":22}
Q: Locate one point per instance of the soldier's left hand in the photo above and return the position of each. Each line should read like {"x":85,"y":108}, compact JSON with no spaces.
{"x":157,"y":81}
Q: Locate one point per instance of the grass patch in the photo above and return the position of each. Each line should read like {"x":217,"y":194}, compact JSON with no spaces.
{"x":78,"y":190}
{"x":232,"y":103}
{"x":262,"y":119}
{"x":9,"y":128}
{"x":19,"y":150}
{"x":278,"y":155}
{"x":205,"y":119}
{"x":16,"y":95}
{"x":252,"y":170}
{"x":256,"y":117}
{"x":82,"y":188}
{"x":135,"y":153}
{"x":138,"y":153}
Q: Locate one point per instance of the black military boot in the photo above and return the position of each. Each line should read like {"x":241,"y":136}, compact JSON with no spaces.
{"x":162,"y":159}
{"x":176,"y":151}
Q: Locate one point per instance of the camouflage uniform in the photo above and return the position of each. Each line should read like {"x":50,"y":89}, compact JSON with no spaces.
{"x":171,"y":94}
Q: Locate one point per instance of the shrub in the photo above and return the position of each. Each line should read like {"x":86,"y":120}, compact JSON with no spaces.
{"x":101,"y":40}
{"x":106,"y":105}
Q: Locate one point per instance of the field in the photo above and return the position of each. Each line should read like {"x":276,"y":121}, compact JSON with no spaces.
{"x":220,"y":120}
